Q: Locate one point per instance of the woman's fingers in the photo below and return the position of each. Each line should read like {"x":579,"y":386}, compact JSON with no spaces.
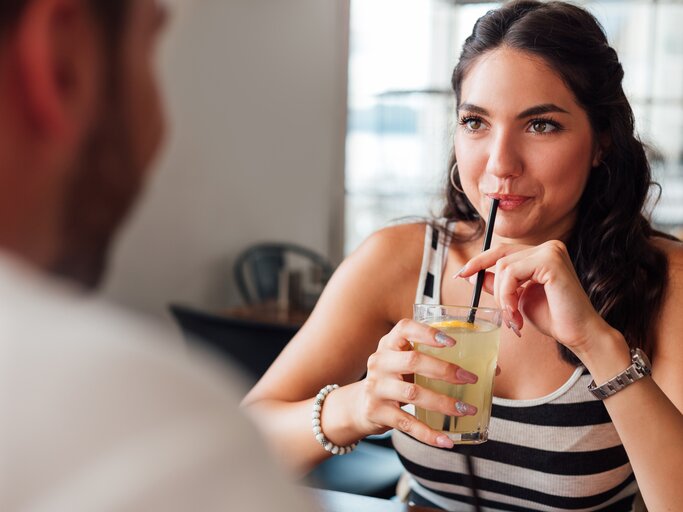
{"x":398,"y":363}
{"x":401,"y":420}
{"x":515,"y":267}
{"x":410,"y":393}
{"x":488,"y":284}
{"x":512,"y":318}
{"x":407,"y":331}
{"x":488,"y":259}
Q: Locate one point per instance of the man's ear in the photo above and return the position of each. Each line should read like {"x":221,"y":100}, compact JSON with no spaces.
{"x":58,"y":54}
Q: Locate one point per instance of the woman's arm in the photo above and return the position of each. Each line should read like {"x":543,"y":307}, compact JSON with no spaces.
{"x":648,"y":414}
{"x":346,"y":336}
{"x":540,"y":283}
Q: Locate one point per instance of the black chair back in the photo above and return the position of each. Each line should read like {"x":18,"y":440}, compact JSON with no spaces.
{"x":257,"y":269}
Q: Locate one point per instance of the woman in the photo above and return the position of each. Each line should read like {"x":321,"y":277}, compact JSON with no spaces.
{"x":544,"y":126}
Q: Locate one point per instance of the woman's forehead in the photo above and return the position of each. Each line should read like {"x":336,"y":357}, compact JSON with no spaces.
{"x":510,"y":81}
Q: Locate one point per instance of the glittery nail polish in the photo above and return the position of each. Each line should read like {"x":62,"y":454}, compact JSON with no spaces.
{"x":443,"y":339}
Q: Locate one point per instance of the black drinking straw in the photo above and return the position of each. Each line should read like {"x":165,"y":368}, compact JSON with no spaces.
{"x":447,"y":420}
{"x":476,"y":294}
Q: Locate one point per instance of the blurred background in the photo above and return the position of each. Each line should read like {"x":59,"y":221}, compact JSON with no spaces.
{"x":315,"y":122}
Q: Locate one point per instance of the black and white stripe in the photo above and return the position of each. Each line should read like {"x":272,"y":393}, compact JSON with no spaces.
{"x":560,"y":452}
{"x":433,"y":261}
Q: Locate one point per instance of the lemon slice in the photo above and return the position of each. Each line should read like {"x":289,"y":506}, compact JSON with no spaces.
{"x":459,"y":324}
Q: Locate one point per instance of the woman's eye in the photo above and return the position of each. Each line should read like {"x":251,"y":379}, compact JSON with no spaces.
{"x":542,"y":127}
{"x":473,"y":124}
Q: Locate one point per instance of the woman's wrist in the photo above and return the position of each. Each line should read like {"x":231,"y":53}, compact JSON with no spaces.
{"x":337,"y":419}
{"x":605,"y":353}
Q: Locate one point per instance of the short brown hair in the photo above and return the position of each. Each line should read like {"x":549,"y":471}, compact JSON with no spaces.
{"x":110,"y":13}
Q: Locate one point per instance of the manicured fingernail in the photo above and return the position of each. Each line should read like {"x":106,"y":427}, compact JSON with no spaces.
{"x":443,"y":339}
{"x":515,"y":329}
{"x":466,"y":376}
{"x":444,"y":442}
{"x":506,"y":321}
{"x":460,"y":272}
{"x":465,"y":409}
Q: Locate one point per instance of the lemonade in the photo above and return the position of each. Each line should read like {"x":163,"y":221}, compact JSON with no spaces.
{"x":476,"y":350}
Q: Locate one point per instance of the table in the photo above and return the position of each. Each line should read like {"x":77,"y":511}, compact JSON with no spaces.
{"x":334,"y":501}
{"x":267,"y":313}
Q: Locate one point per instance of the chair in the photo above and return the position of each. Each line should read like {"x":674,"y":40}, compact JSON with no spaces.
{"x":251,"y":344}
{"x":260,"y":266}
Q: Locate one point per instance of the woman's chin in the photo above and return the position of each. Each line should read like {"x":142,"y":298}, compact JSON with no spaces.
{"x":511,"y":231}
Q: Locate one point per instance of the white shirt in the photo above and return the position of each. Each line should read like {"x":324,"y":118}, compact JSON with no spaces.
{"x":98,"y":412}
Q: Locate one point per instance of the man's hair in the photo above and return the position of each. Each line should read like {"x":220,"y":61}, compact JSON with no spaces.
{"x":110,"y":14}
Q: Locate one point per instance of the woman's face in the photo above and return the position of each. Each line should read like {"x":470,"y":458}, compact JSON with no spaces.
{"x":522,"y":138}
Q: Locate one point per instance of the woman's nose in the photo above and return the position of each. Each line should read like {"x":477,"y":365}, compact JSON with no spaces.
{"x":504,"y":160}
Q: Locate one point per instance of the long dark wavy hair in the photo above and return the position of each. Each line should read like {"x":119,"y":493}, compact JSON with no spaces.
{"x":623,"y":273}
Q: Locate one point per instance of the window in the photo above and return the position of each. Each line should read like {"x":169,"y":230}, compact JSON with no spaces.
{"x":401,"y":108}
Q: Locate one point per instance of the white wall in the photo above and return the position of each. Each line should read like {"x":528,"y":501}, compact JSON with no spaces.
{"x":256,"y":93}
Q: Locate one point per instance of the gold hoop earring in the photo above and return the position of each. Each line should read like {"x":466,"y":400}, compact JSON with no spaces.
{"x":452,"y":175}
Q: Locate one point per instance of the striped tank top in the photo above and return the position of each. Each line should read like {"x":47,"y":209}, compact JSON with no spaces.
{"x":559,"y":452}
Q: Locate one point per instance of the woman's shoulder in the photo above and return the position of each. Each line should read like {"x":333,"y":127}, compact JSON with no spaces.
{"x":399,"y":247}
{"x":668,"y":346}
{"x":386,"y":267}
{"x":673,"y":250}
{"x":397,"y":244}
{"x":671,"y":322}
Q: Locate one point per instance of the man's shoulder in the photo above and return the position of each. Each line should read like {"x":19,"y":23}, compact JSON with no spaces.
{"x":94,"y":395}
{"x":86,"y":348}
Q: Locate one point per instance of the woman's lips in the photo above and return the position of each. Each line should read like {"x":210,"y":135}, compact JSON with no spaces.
{"x":509,"y":202}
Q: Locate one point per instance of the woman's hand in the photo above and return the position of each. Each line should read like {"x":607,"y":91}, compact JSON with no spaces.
{"x":385,"y":390}
{"x":539,"y":283}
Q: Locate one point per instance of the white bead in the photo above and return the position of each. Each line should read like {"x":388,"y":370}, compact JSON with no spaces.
{"x":317,"y":427}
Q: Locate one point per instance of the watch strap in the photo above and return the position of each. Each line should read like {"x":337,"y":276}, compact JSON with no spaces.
{"x":630,"y":375}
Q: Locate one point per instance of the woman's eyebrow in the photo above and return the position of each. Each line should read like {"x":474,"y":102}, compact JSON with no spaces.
{"x":545,"y":108}
{"x":473,"y":108}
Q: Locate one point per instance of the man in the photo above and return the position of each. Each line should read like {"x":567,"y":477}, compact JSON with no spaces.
{"x":97,"y":412}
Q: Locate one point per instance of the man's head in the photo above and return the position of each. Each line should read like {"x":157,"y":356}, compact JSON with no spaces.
{"x":80,"y":120}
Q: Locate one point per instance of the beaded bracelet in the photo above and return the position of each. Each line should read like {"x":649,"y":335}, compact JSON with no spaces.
{"x":334,"y":449}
